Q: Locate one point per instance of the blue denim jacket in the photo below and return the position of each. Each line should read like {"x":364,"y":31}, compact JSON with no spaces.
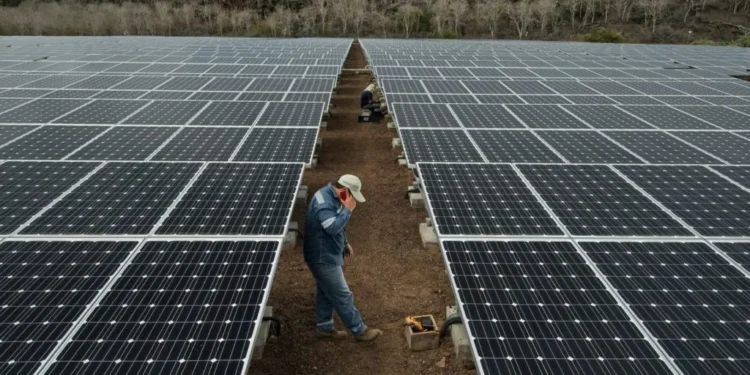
{"x":325,"y":238}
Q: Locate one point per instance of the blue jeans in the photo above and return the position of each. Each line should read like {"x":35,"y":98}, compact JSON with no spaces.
{"x":333,"y":294}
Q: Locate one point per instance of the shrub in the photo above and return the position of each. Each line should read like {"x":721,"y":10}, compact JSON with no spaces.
{"x":705,"y":42}
{"x":600,"y":34}
{"x":742,"y":42}
{"x":448,"y":34}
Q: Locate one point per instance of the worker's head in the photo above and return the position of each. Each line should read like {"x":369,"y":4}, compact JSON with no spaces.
{"x":370,"y":87}
{"x":352,"y":184}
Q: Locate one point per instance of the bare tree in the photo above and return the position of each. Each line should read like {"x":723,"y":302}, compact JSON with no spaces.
{"x":544,"y":11}
{"x":652,"y":11}
{"x":734,"y":5}
{"x":522,"y":17}
{"x":490,"y":12}
{"x":408,"y":15}
{"x":624,"y":8}
{"x":320,"y":5}
{"x":440,"y":13}
{"x":358,"y":12}
{"x":458,"y":9}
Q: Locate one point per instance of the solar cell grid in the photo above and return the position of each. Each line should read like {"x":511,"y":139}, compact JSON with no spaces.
{"x":485,"y":116}
{"x":167,"y":95}
{"x":313,"y":85}
{"x":483,"y":199}
{"x":124,"y":143}
{"x":499,"y":99}
{"x":102,"y":112}
{"x":120,"y":198}
{"x":184,"y":83}
{"x":444,"y":87}
{"x":740,"y":175}
{"x":278,"y":144}
{"x":40,"y":111}
{"x":50,"y":142}
{"x":402,"y":86}
{"x":737,"y":251}
{"x":726,"y":146}
{"x":665,"y":117}
{"x":711,"y":205}
{"x":270,"y":85}
{"x":545,"y":116}
{"x":227,"y":84}
{"x":592,"y":200}
{"x":18,"y":80}
{"x":544,"y":99}
{"x":424,"y":115}
{"x":98,"y":82}
{"x":536,"y":307}
{"x":438,"y":146}
{"x":661,"y":148}
{"x":178,"y":307}
{"x":24,"y":93}
{"x":720,"y":116}
{"x":528,"y":87}
{"x":513,"y":146}
{"x":141,"y":83}
{"x":247,"y":199}
{"x":6,"y":104}
{"x":54,"y":82}
{"x":291,"y":114}
{"x":48,"y":286}
{"x":166,"y":113}
{"x":687,"y":296}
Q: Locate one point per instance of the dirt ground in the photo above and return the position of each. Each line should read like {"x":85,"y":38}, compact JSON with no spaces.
{"x":391,"y":274}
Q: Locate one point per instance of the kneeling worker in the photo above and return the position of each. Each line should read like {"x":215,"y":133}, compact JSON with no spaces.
{"x":367,"y":101}
{"x":325,"y":248}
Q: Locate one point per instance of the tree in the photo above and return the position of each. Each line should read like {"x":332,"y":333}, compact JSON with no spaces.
{"x":522,"y":17}
{"x":544,"y":11}
{"x":322,"y":9}
{"x":652,"y":11}
{"x":489,"y":12}
{"x":458,"y":9}
{"x":408,"y":15}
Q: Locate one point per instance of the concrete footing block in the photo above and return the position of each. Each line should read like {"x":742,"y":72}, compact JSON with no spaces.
{"x":429,"y":237}
{"x":263,"y":334}
{"x":396,"y":142}
{"x":302,"y":195}
{"x":313,"y":163}
{"x":419,"y":341}
{"x":402,"y":162}
{"x":318,"y":144}
{"x":290,"y":239}
{"x":324,"y":124}
{"x":416,"y":200}
{"x":391,"y":125}
{"x":460,"y":338}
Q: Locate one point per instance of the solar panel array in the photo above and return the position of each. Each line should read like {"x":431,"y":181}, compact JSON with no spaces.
{"x":591,"y":200}
{"x":146,"y":185}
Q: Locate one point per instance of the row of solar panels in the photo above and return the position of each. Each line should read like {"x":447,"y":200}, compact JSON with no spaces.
{"x":241,"y":69}
{"x":588,"y":200}
{"x":585,"y":268}
{"x":552,"y":73}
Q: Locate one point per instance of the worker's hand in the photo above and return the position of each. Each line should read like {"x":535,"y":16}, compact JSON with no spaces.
{"x":348,"y":251}
{"x":350,"y":203}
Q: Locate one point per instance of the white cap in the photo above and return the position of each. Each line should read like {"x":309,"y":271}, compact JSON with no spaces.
{"x":354,"y":185}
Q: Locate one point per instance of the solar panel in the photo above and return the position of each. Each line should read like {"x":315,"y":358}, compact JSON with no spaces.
{"x":499,"y":99}
{"x":48,"y":286}
{"x":167,"y":95}
{"x":229,"y":113}
{"x":665,"y":117}
{"x":120,"y":198}
{"x":50,"y":142}
{"x":709,"y":204}
{"x":124,"y":143}
{"x":10,"y":132}
{"x":483,"y":199}
{"x":546,"y":116}
{"x":424,"y":115}
{"x":166,"y":113}
{"x":727,"y":146}
{"x":528,"y":87}
{"x":402,"y":86}
{"x":98,"y":82}
{"x":443,"y":146}
{"x":102,"y":112}
{"x":686,"y":295}
{"x":485,"y":116}
{"x":737,"y":251}
{"x":660,"y":148}
{"x":444,"y":87}
{"x":720,"y":116}
{"x":178,"y":306}
{"x":513,"y":146}
{"x":592,"y":200}
{"x":141,"y":83}
{"x":278,"y":145}
{"x":486,"y":87}
{"x":40,"y":111}
{"x":537,"y":307}
{"x":264,"y":194}
{"x":262,"y":96}
{"x":6,"y":104}
{"x":291,"y":114}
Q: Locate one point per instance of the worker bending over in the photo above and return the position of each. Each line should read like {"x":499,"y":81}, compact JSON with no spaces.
{"x":325,"y":247}
{"x":367,"y":101}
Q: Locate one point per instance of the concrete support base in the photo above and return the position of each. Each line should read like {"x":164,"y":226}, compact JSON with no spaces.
{"x":265,"y":331}
{"x":396,"y":143}
{"x":416,"y":200}
{"x":302,"y":195}
{"x":460,"y":338}
{"x":420,"y":341}
{"x":429,"y":237}
{"x":318,"y":144}
{"x":391,"y":125}
{"x":313,"y":163}
{"x":324,"y":124}
{"x":290,"y":239}
{"x":402,"y":162}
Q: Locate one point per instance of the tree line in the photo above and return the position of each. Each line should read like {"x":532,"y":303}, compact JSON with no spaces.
{"x":640,"y":20}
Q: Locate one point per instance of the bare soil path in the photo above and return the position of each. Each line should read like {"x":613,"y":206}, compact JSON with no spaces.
{"x":391,"y":275}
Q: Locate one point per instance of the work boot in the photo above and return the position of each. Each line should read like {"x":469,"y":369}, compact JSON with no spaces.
{"x":335,"y":334}
{"x":370,"y":334}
